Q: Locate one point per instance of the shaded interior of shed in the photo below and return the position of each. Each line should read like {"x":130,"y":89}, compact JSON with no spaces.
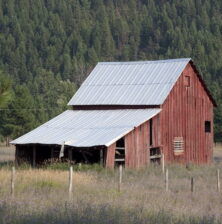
{"x":37,"y":154}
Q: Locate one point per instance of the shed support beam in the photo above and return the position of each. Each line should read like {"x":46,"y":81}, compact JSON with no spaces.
{"x":70,"y":154}
{"x":52,"y":153}
{"x":34,"y":156}
{"x":101,"y":157}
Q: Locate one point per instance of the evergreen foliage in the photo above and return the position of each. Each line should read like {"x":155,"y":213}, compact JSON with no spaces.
{"x":5,"y":85}
{"x":44,"y":44}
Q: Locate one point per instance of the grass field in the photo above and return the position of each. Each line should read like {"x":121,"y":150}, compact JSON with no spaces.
{"x":41,"y":196}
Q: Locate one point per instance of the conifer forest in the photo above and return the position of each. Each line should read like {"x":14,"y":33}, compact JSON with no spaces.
{"x":47,"y":48}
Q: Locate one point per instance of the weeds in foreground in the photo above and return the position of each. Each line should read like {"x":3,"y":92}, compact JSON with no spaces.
{"x":41,"y":196}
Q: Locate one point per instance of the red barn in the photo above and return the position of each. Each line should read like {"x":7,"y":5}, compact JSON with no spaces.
{"x":130,"y":113}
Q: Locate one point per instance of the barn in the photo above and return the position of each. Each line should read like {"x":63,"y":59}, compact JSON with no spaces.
{"x":130,"y":113}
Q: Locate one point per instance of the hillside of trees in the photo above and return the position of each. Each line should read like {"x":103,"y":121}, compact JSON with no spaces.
{"x":47,"y":48}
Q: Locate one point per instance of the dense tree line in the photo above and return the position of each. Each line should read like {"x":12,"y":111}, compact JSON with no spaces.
{"x":47,"y":47}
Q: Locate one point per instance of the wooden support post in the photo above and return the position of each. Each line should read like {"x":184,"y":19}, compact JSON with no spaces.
{"x":101,"y":157}
{"x":13,"y":182}
{"x":192,"y":184}
{"x":120,"y":177}
{"x":52,"y":153}
{"x":34,"y":156}
{"x":70,"y":182}
{"x":70,"y":154}
{"x":167,"y":180}
{"x":163,"y":163}
{"x":218,"y":180}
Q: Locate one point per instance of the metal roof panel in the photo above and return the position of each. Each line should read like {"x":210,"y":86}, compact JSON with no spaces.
{"x":86,"y":128}
{"x":130,"y":83}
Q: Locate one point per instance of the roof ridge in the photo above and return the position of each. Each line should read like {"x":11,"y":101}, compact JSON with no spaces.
{"x":145,"y":62}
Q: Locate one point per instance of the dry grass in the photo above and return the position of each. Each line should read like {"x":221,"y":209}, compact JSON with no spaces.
{"x":7,"y":153}
{"x":41,"y":196}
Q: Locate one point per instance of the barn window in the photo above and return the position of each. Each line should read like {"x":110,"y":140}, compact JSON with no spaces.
{"x":178,"y":145}
{"x":187,"y":81}
{"x":207,"y":126}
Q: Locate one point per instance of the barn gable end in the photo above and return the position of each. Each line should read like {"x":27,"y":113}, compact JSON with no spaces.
{"x":183,"y":115}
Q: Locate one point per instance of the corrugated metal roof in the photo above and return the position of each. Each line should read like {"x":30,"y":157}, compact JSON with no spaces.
{"x":86,"y":128}
{"x":130,"y":83}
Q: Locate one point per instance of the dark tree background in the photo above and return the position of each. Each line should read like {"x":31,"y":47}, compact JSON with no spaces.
{"x":47,"y":47}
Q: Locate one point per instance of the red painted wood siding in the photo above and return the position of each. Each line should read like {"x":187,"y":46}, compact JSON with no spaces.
{"x":137,"y":144}
{"x":183,"y":115}
{"x":110,"y":156}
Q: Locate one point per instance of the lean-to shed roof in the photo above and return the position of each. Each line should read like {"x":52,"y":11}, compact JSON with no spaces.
{"x":85,"y":128}
{"x":130,"y":83}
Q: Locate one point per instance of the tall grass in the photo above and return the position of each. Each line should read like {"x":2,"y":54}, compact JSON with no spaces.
{"x":41,"y":195}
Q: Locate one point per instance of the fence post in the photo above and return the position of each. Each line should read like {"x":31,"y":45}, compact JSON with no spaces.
{"x":192,"y":184}
{"x":120,"y":177}
{"x":218,"y":180}
{"x":167,"y":180}
{"x":70,"y":181}
{"x":163,"y":163}
{"x":13,"y":182}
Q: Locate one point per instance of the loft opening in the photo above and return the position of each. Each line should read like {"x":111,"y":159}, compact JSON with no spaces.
{"x":207,"y":126}
{"x":187,"y":81}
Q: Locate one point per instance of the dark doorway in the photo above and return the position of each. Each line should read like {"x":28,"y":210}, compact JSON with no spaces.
{"x":120,"y":152}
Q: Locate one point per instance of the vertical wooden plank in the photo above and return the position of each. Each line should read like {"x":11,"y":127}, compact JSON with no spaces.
{"x":192,"y":184}
{"x":13,"y":182}
{"x":110,"y":156}
{"x":218,"y":180}
{"x":101,"y":157}
{"x":163,"y":163}
{"x":34,"y":155}
{"x":167,"y":180}
{"x":120,"y":177}
{"x":70,"y":154}
{"x":52,"y":153}
{"x":70,"y":182}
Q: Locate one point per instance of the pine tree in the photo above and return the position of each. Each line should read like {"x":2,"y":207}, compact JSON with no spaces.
{"x":5,"y":86}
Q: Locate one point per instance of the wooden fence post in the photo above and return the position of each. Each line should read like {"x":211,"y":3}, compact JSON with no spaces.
{"x":167,"y":180}
{"x":163,"y":163}
{"x":218,"y":180}
{"x":120,"y":177}
{"x":70,"y":181}
{"x":13,"y":182}
{"x":192,"y":184}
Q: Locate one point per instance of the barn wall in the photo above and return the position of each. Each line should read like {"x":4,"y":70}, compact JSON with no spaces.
{"x":183,"y":115}
{"x":110,"y":156}
{"x":137,"y":144}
